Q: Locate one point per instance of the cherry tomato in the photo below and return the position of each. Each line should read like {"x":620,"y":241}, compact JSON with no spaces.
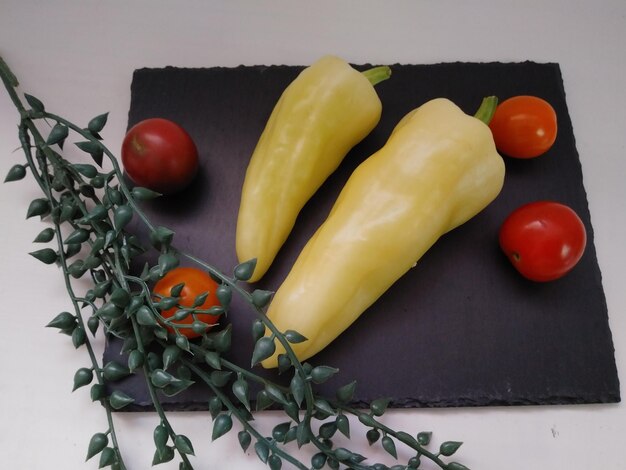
{"x":544,"y":240}
{"x":160,"y":155}
{"x":196,"y":282}
{"x":524,"y":127}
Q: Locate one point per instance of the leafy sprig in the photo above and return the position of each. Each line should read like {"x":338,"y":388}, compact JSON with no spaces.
{"x":89,"y":210}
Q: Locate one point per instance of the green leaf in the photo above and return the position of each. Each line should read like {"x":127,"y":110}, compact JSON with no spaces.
{"x":342,"y":454}
{"x":136,"y":359}
{"x":161,"y":237}
{"x":107,"y":457}
{"x":183,"y":444}
{"x":92,"y":148}
{"x":220,"y":378}
{"x":323,"y":406}
{"x":222,"y":424}
{"x":456,"y":466}
{"x":97,"y":443}
{"x":297,"y":388}
{"x":224,"y":294}
{"x":263,"y":349}
{"x":161,"y":379}
{"x":63,"y":321}
{"x":303,"y":434}
{"x":367,"y":420}
{"x":343,"y":424}
{"x":389,"y":446}
{"x":45,"y":236}
{"x":122,"y":216}
{"x":119,"y":400}
{"x":263,"y":400}
{"x":345,"y":393}
{"x":38,"y":207}
{"x":93,"y":322}
{"x":449,"y":447}
{"x":294,"y":337}
{"x":406,"y":438}
{"x":171,"y":354}
{"x":215,"y":407}
{"x":113,"y":371}
{"x":321,"y":374}
{"x":260,"y":298}
{"x":34,"y":103}
{"x":97,"y":124}
{"x":423,"y":438}
{"x":57,"y":135}
{"x":379,"y":406}
{"x":372,"y":436}
{"x":275,"y":462}
{"x":145,"y":316}
{"x":78,"y":337}
{"x":318,"y":460}
{"x":240,"y":390}
{"x":275,"y":393}
{"x":97,"y":392}
{"x":164,"y":456}
{"x":144,"y":194}
{"x":328,"y":430}
{"x":262,"y":451}
{"x":79,"y":235}
{"x":85,"y":169}
{"x":167,"y":262}
{"x":120,"y":297}
{"x":245,"y":439}
{"x":244,"y":271}
{"x":160,"y":437}
{"x":16,"y":173}
{"x":182,"y":342}
{"x":82,"y":377}
{"x":280,"y":431}
{"x":258,"y":330}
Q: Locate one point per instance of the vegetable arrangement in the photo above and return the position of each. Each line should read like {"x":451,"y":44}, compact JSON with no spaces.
{"x":168,"y":316}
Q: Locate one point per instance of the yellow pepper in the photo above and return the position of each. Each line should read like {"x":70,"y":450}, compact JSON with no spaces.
{"x":320,"y":116}
{"x":438,"y":169}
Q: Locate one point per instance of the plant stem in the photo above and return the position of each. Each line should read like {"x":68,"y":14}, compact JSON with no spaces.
{"x":376,"y":75}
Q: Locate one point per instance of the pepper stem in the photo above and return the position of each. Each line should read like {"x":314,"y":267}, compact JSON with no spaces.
{"x":377,"y":74}
{"x":487,"y":109}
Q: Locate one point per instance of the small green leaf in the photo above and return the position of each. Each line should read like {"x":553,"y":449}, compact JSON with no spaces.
{"x":423,"y":438}
{"x":318,"y":460}
{"x":34,"y":103}
{"x":372,"y":436}
{"x":223,"y":339}
{"x":240,"y":390}
{"x":328,"y":430}
{"x":275,"y":393}
{"x":120,"y":297}
{"x":212,"y":358}
{"x":97,"y":443}
{"x":82,"y":377}
{"x":79,"y":235}
{"x":244,"y":271}
{"x":113,"y":371}
{"x":63,"y":321}
{"x":406,"y":438}
{"x":220,"y":378}
{"x":145,"y":316}
{"x":161,"y":237}
{"x":294,"y":337}
{"x":321,"y":374}
{"x":119,"y":400}
{"x":297,"y":388}
{"x":93,"y":322}
{"x":167,"y":262}
{"x":182,"y":342}
{"x":449,"y":447}
{"x":97,"y":123}
{"x":323,"y":406}
{"x":136,"y":359}
{"x":262,"y":451}
{"x":45,"y":236}
{"x":160,"y":437}
{"x":57,"y":135}
{"x":258,"y":330}
{"x":144,"y":194}
{"x":224,"y":294}
{"x":85,"y":169}
{"x":275,"y":462}
{"x":92,"y":148}
{"x":122,"y":216}
{"x":263,"y":400}
{"x":260,"y":298}
{"x":263,"y":349}
{"x":379,"y":406}
{"x":222,"y":424}
{"x":303,"y":434}
{"x":171,"y":354}
{"x":107,"y":457}
{"x":345,"y":393}
{"x":183,"y":444}
{"x":161,"y":379}
{"x":367,"y":420}
{"x":16,"y":173}
{"x":343,"y":424}
{"x":78,"y":337}
{"x":455,"y":466}
{"x":245,"y":439}
{"x":97,"y":392}
{"x":342,"y":454}
{"x":389,"y":446}
{"x":280,"y":431}
{"x":199,"y":327}
{"x":164,"y":456}
{"x":38,"y":207}
{"x":215,"y":407}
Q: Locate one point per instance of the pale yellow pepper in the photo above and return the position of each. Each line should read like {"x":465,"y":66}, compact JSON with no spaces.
{"x":438,"y":169}
{"x":320,"y":116}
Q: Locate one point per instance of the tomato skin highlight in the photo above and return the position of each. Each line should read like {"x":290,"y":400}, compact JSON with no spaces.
{"x":544,"y":240}
{"x":160,"y":155}
{"x":524,"y":127}
{"x":196,"y":282}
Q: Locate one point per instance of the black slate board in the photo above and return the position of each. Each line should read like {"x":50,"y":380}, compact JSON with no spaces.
{"x":460,"y":329}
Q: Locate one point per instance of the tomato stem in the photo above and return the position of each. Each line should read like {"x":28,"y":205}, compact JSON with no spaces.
{"x":487,"y":109}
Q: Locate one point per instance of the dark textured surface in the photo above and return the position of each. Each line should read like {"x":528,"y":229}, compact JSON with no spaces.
{"x":460,"y":329}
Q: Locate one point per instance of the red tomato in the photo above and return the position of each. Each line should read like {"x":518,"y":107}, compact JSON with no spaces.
{"x":160,"y":155}
{"x":524,"y":127}
{"x":196,"y":282}
{"x":544,"y":240}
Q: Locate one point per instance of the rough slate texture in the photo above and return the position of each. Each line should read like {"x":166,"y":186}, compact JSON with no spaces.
{"x":460,"y":329}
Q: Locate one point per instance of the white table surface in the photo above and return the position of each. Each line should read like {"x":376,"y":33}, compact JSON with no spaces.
{"x":79,"y":56}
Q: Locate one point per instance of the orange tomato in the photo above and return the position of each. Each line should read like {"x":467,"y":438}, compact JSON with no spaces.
{"x":196,"y":282}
